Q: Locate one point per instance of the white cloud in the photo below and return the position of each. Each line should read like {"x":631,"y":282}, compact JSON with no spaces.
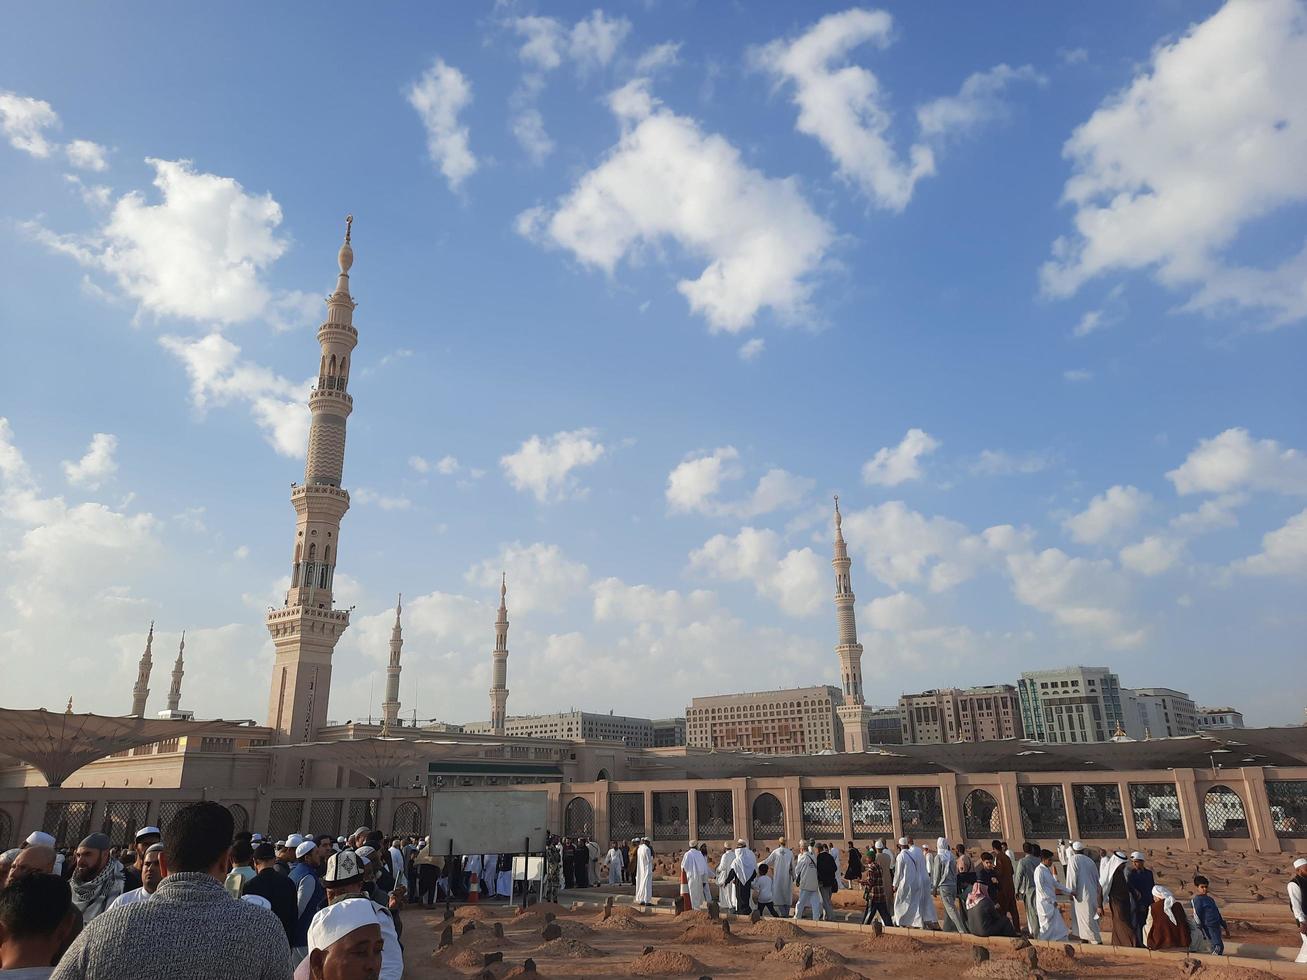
{"x":999,"y":462}
{"x":795,"y":581}
{"x":694,"y":484}
{"x":1153,"y":555}
{"x":752,"y":349}
{"x":595,"y":40}
{"x":445,"y":466}
{"x":1169,"y":171}
{"x":667,"y":180}
{"x":367,"y":496}
{"x":219,"y":377}
{"x":544,"y":466}
{"x":978,"y":101}
{"x":899,"y":464}
{"x":544,"y":43}
{"x":844,"y":108}
{"x":202,"y":253}
{"x":1077,"y":375}
{"x":540,"y":577}
{"x":438,"y":97}
{"x":615,"y":601}
{"x":1284,"y":551}
{"x":1073,"y":56}
{"x":529,"y":129}
{"x":1234,"y":460}
{"x":1091,"y":321}
{"x":97,"y":465}
{"x":658,"y":57}
{"x":1108,"y":514}
{"x":1210,"y":515}
{"x":1083,"y":594}
{"x":900,"y":611}
{"x":24,"y":120}
{"x":86,"y":155}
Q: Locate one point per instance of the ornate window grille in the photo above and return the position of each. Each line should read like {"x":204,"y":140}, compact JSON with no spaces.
{"x":768,"y":817}
{"x":68,"y":821}
{"x":671,"y":816}
{"x":324,"y":816}
{"x":123,"y":818}
{"x":1156,"y":808}
{"x":823,"y":813}
{"x":1224,"y":813}
{"x":981,"y":817}
{"x":284,"y":817}
{"x":921,"y":811}
{"x":1287,"y":799}
{"x":1043,"y":811}
{"x":626,"y":815}
{"x":1098,"y":809}
{"x":871,"y":813}
{"x":714,"y":812}
{"x":408,"y":819}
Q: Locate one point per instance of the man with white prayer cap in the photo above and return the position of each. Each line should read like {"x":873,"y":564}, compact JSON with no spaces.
{"x":294,"y":841}
{"x":345,"y":943}
{"x":310,"y":896}
{"x":344,"y":880}
{"x":1086,"y":895}
{"x":151,"y":875}
{"x":886,"y":861}
{"x":909,"y":877}
{"x":1298,"y":903}
{"x":39,"y":838}
{"x":781,"y":862}
{"x":695,"y":866}
{"x":644,"y":873}
{"x":615,"y":865}
{"x":725,"y":895}
{"x":744,"y":868}
{"x":805,"y":876}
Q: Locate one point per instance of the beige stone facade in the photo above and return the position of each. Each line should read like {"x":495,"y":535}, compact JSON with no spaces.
{"x":976,"y":714}
{"x":786,"y":722}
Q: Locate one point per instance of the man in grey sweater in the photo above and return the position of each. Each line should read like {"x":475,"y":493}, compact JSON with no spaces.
{"x":191,"y":927}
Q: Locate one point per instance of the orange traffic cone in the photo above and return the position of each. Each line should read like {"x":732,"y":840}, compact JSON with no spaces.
{"x":474,"y":889}
{"x":683,"y":900}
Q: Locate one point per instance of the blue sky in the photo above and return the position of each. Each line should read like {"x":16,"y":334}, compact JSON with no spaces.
{"x":639,"y":288}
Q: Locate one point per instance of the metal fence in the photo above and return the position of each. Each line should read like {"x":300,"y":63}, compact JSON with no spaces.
{"x":981,"y":817}
{"x":1098,"y":809}
{"x":871,"y":812}
{"x":579,"y":819}
{"x":714,"y":812}
{"x":822,"y":813}
{"x":1224,"y":814}
{"x":1156,"y":808}
{"x":768,"y":817}
{"x":626,"y":818}
{"x":671,"y":816}
{"x":1043,"y":811}
{"x":1288,"y":802}
{"x":921,"y":811}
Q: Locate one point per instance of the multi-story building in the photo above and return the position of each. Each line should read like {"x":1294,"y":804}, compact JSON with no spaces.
{"x":1072,"y":704}
{"x":1219,"y":718}
{"x":788,"y":722}
{"x":668,"y":732}
{"x":884,"y":726}
{"x":1161,"y":711}
{"x":634,"y":733}
{"x":977,"y":714}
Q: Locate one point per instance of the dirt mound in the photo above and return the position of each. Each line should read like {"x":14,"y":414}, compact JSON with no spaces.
{"x":1055,"y":961}
{"x":774,"y":928}
{"x":796,"y":953}
{"x":571,"y":949}
{"x":463,"y":959}
{"x":539,"y":909}
{"x":1001,"y":970}
{"x":664,"y":963}
{"x":885,"y":943}
{"x":520,"y":971}
{"x":621,"y":923}
{"x":708,"y":935}
{"x":573,"y":930}
{"x":1232,"y":973}
{"x":472,"y":913}
{"x":828,"y":973}
{"x":626,"y":912}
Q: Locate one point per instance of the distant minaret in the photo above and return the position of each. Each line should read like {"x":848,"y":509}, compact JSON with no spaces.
{"x":852,"y":713}
{"x":175,"y":692}
{"x":499,"y":672}
{"x":390,"y":706}
{"x":142,"y":689}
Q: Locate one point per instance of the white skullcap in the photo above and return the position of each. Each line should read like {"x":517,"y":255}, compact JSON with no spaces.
{"x":1077,"y":846}
{"x":1137,"y":856}
{"x":255,"y":838}
{"x":294,"y":840}
{"x":881,"y":844}
{"x":258,"y":900}
{"x":1300,"y":863}
{"x":146,"y":831}
{"x":340,"y":840}
{"x":903,"y":842}
{"x":39,"y":838}
{"x":306,"y":847}
{"x":281,"y":843}
{"x":740,"y":843}
{"x":335,"y":922}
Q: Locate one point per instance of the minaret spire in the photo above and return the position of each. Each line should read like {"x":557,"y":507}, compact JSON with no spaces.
{"x":499,"y":664}
{"x":848,"y":648}
{"x":306,"y":628}
{"x":141,"y":691}
{"x":178,"y":669}
{"x":390,"y":706}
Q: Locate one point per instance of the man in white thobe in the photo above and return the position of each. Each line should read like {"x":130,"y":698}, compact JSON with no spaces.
{"x":614,"y":859}
{"x":781,"y":862}
{"x":745,"y":866}
{"x":928,"y":916}
{"x":725,"y":895}
{"x":1086,"y":898}
{"x":644,"y":874}
{"x":909,"y":874}
{"x":490,"y":873}
{"x":1051,"y":924}
{"x":695,"y":866}
{"x":1298,"y":903}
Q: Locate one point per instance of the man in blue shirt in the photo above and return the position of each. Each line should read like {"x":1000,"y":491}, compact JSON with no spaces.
{"x":1141,"y":884}
{"x":1208,"y":916}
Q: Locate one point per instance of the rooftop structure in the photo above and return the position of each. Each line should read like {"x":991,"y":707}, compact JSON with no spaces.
{"x":1072,"y":704}
{"x":635,"y":733}
{"x":976,"y":714}
{"x":791,"y":721}
{"x":1219,"y":718}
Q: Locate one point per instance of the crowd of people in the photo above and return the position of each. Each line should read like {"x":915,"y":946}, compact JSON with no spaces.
{"x":307,"y":907}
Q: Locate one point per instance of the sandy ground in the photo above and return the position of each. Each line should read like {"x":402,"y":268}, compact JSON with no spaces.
{"x":634,"y":943}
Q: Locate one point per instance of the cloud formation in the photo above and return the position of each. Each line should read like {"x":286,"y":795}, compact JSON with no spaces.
{"x":694,"y":485}
{"x":96,"y":466}
{"x":893,"y":465}
{"x":544,"y":467}
{"x":438,"y":96}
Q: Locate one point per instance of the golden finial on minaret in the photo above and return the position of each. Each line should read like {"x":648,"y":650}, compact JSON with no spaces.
{"x":349,"y":220}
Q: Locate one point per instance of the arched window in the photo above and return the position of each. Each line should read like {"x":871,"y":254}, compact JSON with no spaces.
{"x":408,"y":820}
{"x":579,"y":818}
{"x":1224,"y":813}
{"x":240,"y":816}
{"x":768,"y":817}
{"x":980,"y":815}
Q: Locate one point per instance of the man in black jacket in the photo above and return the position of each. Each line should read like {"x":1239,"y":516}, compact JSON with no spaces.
{"x":276,"y":887}
{"x":827,"y":871}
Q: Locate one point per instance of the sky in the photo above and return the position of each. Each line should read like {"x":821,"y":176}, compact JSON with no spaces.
{"x":640,"y":288}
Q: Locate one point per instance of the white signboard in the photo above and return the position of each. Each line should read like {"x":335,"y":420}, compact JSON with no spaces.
{"x":481,"y":822}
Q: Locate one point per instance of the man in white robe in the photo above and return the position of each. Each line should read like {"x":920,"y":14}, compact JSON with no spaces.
{"x":725,"y":894}
{"x":1086,"y":897}
{"x":490,"y":873}
{"x":1052,"y":927}
{"x":928,"y":916}
{"x":781,"y":862}
{"x":695,"y":866}
{"x":644,"y":874}
{"x":909,"y":874}
{"x":615,"y":865}
{"x":745,"y":866}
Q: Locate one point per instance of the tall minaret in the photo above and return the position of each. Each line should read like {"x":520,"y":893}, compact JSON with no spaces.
{"x":142,"y":689}
{"x":499,"y":669}
{"x":852,"y":713}
{"x":306,"y":628}
{"x":178,"y":669}
{"x":390,"y":706}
